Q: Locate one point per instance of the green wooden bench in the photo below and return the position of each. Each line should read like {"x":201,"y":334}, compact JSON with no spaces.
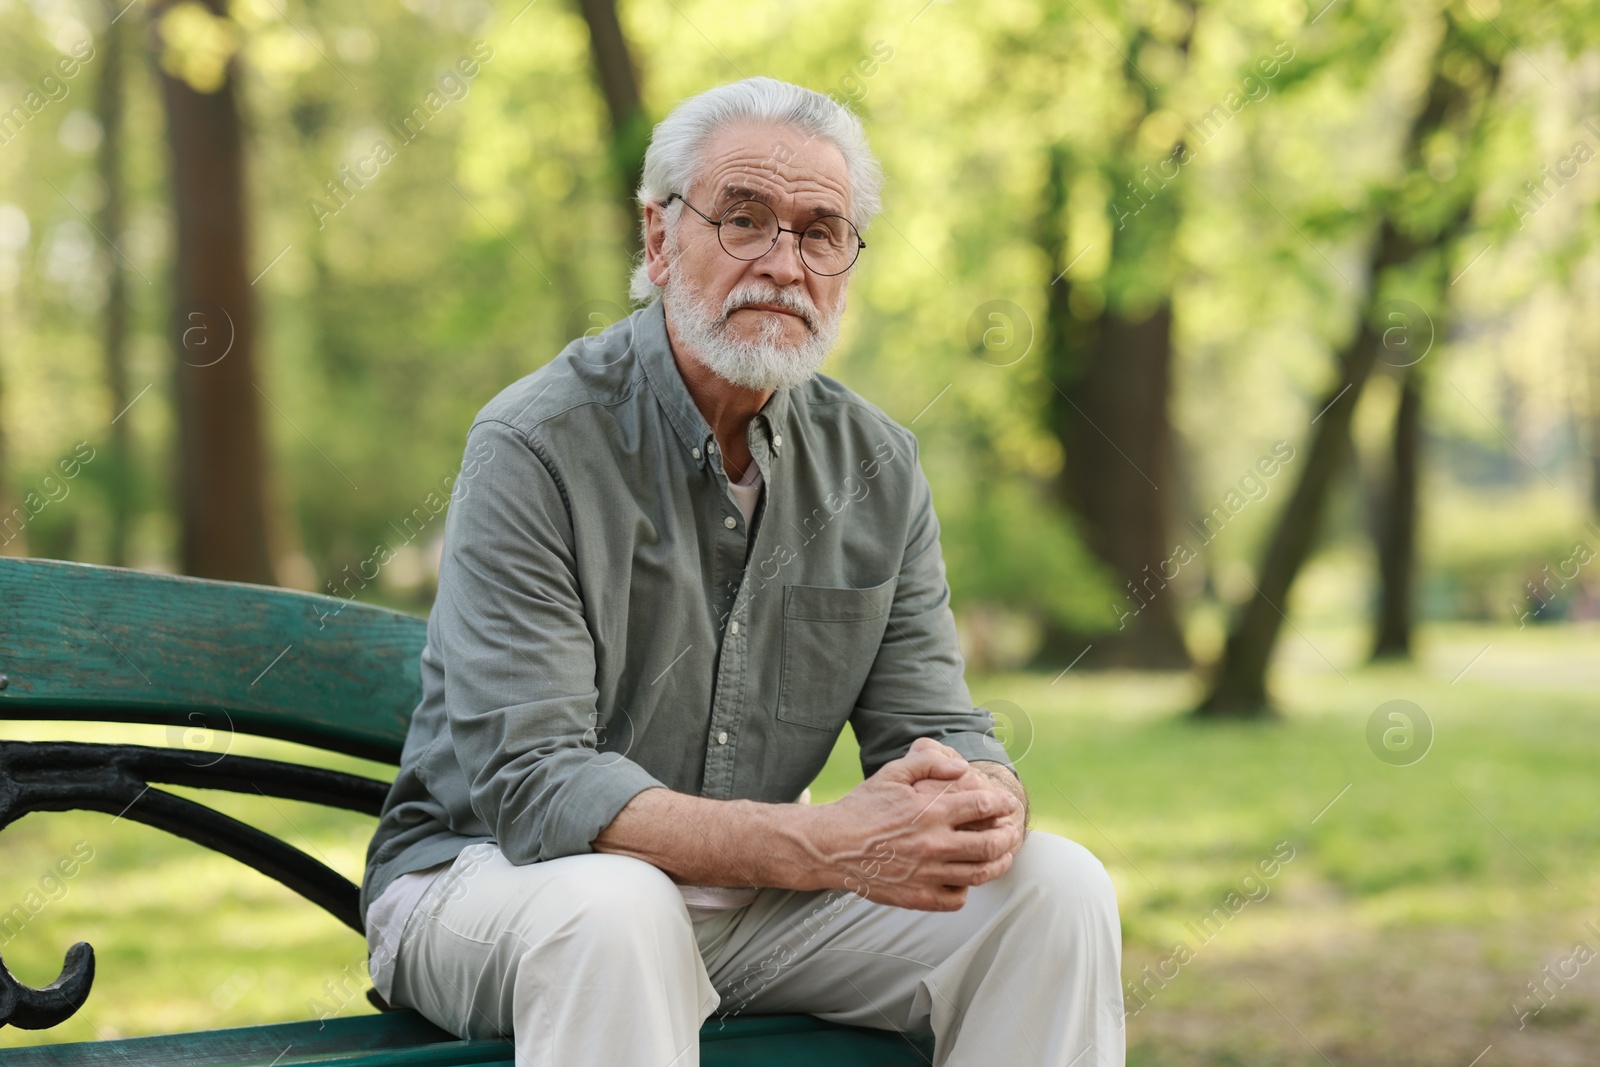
{"x":101,"y":644}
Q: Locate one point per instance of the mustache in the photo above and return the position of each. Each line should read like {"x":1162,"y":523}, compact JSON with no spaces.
{"x":788,"y":299}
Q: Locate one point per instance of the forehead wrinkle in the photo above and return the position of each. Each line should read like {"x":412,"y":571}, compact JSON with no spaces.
{"x":733,"y":192}
{"x":757,"y":172}
{"x":750,"y":169}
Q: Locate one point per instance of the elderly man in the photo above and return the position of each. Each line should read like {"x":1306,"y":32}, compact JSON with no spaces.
{"x":680,"y":563}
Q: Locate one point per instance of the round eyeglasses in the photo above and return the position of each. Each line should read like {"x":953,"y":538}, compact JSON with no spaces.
{"x":749,"y":229}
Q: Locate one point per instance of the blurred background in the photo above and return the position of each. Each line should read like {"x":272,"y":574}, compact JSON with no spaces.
{"x":1253,"y":347}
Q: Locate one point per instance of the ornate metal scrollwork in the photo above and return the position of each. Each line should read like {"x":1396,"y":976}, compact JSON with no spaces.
{"x":40,"y":1009}
{"x":116,"y":779}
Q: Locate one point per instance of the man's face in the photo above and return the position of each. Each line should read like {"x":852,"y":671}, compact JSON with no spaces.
{"x":767,"y":322}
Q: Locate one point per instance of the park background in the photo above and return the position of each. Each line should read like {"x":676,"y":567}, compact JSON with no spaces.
{"x":1253,"y":348}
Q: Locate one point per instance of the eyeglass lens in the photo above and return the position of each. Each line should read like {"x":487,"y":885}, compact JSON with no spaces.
{"x":828,"y":244}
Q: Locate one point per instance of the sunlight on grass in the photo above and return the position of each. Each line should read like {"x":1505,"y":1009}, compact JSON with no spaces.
{"x":1479,"y":855}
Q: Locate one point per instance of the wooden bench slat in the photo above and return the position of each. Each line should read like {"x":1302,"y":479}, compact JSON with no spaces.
{"x":818,"y":1043}
{"x":238,"y":1046}
{"x":106,"y":644}
{"x":406,"y":1039}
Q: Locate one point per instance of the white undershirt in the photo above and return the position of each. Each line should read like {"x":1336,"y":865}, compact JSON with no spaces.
{"x":746,"y":492}
{"x":386,"y":917}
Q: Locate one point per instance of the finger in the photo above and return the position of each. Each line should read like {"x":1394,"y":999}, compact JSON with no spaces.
{"x":971,"y":874}
{"x":975,"y":846}
{"x":959,"y":868}
{"x":1014,"y":819}
{"x":922,"y":762}
{"x":955,"y":876}
{"x":957,"y":807}
{"x":970,"y":780}
{"x":920,"y":895}
{"x":937,"y":898}
{"x":929,"y":744}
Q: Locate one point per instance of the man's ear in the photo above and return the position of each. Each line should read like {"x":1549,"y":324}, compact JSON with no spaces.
{"x":657,"y":265}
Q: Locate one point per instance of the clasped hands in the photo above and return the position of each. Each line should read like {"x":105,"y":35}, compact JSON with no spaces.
{"x":920,"y":832}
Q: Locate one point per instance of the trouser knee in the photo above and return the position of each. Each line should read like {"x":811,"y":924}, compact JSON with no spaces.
{"x":1056,"y":873}
{"x":615,"y":905}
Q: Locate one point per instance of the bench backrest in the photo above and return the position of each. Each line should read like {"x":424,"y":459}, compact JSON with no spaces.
{"x":104,"y":644}
{"x":112,"y":645}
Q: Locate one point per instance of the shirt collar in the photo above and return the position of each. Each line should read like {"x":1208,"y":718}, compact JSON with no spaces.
{"x":661,"y":370}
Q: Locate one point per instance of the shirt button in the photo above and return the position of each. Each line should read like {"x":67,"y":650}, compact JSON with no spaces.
{"x":711,"y":447}
{"x":777,"y":440}
{"x":722,"y":738}
{"x":733,"y":627}
{"x":695,"y":452}
{"x":730,"y":522}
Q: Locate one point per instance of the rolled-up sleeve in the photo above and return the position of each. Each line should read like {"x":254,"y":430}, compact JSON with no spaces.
{"x":916,"y":687}
{"x":519,"y":659}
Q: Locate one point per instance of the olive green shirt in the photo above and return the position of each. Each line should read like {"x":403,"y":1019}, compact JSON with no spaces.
{"x":606,"y":623}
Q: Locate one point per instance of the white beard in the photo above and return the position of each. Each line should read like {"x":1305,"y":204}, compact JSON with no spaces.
{"x":769,"y":361}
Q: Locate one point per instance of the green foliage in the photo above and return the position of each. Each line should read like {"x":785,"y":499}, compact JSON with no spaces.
{"x":403,"y":286}
{"x":1010,"y":549}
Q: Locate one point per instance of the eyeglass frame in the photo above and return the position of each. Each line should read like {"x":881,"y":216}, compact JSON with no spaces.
{"x":782,"y":229}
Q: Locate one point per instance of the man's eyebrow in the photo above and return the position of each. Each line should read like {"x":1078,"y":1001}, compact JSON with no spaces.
{"x":740,"y":192}
{"x":734,"y":193}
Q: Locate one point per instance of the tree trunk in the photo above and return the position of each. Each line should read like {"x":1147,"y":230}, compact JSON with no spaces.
{"x":1239,"y":690}
{"x":1396,"y":526}
{"x":617,"y":77}
{"x":1594,"y":465}
{"x":221,"y":460}
{"x":13,"y":520}
{"x":1593,"y":435}
{"x":109,"y":110}
{"x":1111,"y":377}
{"x":1239,"y":687}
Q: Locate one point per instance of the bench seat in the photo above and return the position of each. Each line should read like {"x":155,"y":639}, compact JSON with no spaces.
{"x":406,"y":1039}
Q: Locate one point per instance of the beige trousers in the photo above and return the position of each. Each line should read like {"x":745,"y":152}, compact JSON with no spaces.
{"x":593,"y":959}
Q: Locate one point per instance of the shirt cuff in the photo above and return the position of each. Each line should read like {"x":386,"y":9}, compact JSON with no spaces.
{"x":977,"y":746}
{"x":589,"y":801}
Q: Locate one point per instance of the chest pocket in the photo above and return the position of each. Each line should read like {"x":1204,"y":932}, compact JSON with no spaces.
{"x":830,"y":639}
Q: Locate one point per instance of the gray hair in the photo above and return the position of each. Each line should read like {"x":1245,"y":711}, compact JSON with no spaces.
{"x":672,"y":162}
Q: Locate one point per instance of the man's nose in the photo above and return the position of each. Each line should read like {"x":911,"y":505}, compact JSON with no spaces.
{"x":782,"y":262}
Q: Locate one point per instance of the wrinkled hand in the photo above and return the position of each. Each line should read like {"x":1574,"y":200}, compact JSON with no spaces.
{"x":920,"y":832}
{"x":972,"y":779}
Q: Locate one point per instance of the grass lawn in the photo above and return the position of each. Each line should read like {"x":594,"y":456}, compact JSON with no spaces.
{"x":1415,"y":906}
